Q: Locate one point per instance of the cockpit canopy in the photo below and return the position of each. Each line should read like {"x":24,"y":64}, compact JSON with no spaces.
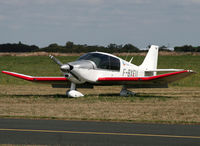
{"x":102,"y":61}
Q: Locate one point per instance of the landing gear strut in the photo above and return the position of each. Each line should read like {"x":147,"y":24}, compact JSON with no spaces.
{"x":72,"y":92}
{"x":125,"y":92}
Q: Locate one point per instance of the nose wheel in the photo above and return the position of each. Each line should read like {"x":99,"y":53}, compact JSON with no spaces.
{"x":73,"y":92}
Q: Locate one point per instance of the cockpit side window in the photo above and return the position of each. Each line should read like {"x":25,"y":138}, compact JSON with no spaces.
{"x":102,"y":61}
{"x":104,"y":64}
{"x":114,"y":63}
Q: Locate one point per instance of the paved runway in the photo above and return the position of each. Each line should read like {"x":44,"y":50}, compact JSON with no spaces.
{"x":60,"y":132}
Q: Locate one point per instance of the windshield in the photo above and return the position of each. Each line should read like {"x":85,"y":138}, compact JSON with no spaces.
{"x":102,"y":61}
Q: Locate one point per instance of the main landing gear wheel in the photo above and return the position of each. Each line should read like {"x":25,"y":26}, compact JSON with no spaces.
{"x":125,"y":92}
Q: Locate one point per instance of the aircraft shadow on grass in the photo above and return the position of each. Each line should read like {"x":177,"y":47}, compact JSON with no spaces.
{"x":38,"y":96}
{"x":115,"y":95}
{"x":143,"y":95}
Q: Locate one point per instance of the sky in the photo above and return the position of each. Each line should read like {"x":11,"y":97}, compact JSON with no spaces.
{"x":100,"y":22}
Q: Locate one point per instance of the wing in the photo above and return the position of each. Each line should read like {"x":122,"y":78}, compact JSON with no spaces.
{"x":47,"y":80}
{"x":159,"y":81}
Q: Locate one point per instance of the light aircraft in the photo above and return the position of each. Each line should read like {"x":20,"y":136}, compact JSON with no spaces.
{"x":103,"y":69}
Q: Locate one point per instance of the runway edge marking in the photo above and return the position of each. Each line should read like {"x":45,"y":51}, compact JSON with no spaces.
{"x":101,"y":133}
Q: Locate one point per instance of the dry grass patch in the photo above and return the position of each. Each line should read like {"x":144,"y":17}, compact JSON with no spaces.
{"x":172,"y":105}
{"x":162,"y":53}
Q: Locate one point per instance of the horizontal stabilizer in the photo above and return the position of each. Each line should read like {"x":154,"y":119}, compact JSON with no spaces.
{"x":157,"y":70}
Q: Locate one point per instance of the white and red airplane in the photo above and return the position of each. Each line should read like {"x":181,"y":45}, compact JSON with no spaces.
{"x":103,"y":69}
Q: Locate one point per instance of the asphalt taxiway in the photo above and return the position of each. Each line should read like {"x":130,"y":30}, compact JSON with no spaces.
{"x":64,"y":132}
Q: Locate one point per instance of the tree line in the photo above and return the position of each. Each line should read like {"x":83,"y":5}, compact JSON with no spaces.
{"x":187,"y":48}
{"x":70,"y":47}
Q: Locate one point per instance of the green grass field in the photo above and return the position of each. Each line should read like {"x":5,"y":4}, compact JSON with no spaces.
{"x":44,"y":66}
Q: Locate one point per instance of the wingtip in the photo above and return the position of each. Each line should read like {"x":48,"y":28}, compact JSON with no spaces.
{"x":191,"y":71}
{"x":3,"y":71}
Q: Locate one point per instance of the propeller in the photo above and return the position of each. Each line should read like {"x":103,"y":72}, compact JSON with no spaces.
{"x":64,"y":67}
{"x":56,"y":60}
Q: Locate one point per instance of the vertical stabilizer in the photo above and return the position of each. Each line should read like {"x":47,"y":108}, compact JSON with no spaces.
{"x":151,"y":60}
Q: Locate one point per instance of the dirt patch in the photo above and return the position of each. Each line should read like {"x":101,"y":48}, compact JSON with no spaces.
{"x":161,"y":53}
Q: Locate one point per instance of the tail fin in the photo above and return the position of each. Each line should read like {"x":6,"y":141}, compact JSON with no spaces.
{"x":151,"y":59}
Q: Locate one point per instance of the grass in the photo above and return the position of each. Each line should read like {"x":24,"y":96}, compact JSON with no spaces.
{"x":178,"y":104}
{"x":172,"y":105}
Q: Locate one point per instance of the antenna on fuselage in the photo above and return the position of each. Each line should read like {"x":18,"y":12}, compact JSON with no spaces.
{"x":131,"y":60}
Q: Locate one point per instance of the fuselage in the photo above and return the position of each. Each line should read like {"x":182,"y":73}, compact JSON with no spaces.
{"x":91,"y":66}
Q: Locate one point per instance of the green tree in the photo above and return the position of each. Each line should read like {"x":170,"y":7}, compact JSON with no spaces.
{"x":130,"y":48}
{"x":69,"y":45}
